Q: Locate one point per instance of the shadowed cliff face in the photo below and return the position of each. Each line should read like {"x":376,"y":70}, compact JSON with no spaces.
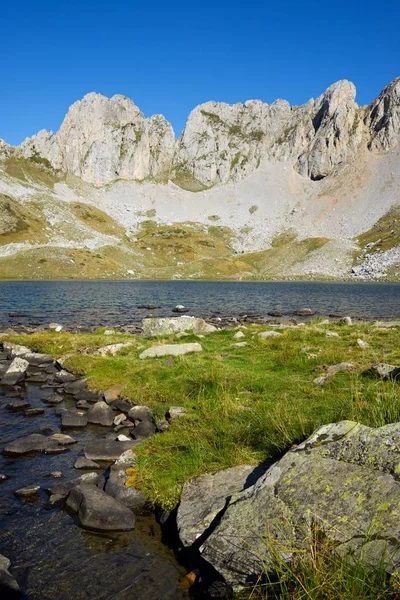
{"x":104,"y":139}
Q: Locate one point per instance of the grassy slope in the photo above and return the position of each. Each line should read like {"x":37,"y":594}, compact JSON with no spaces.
{"x":245,"y":405}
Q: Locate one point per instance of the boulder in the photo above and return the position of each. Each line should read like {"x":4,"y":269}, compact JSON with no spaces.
{"x":386,"y":371}
{"x":101,"y":414}
{"x":113,"y":349}
{"x":85,"y":463}
{"x":238,"y":335}
{"x":342,"y":479}
{"x":116,"y":484}
{"x":144,"y":430}
{"x":61,"y":490}
{"x":98,"y":511}
{"x":15,"y":372}
{"x":33,"y":443}
{"x":107,"y":450}
{"x":64,"y":377}
{"x":205,"y":497}
{"x":166,"y":326}
{"x":73,"y":420}
{"x":14,"y":350}
{"x":170,"y":350}
{"x":9,"y":587}
{"x":140,"y":413}
{"x":174,"y":412}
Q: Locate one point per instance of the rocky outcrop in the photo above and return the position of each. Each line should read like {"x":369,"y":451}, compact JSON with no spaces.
{"x":104,"y":139}
{"x":341,"y":482}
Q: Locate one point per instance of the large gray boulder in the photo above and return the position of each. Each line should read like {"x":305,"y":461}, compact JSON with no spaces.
{"x":101,"y":414}
{"x":16,"y":372}
{"x":8,"y":584}
{"x":97,"y":510}
{"x":167,"y":326}
{"x":342,"y":479}
{"x":107,"y":450}
{"x":170,"y":350}
{"x":35,"y":442}
{"x":116,"y":484}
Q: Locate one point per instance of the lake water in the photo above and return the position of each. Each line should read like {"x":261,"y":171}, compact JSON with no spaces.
{"x":113,"y":303}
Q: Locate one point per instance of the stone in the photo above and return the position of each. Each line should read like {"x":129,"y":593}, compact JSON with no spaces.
{"x":240,"y":345}
{"x":179,"y":308}
{"x":9,"y":587}
{"x":56,"y":327}
{"x":238,"y":335}
{"x":166,"y":326}
{"x":32,"y":443}
{"x":119,"y":419}
{"x":304,"y":312}
{"x":17,"y":405}
{"x":35,"y":359}
{"x":73,"y":420}
{"x":144,"y":430}
{"x":170,"y":350}
{"x":5,"y":563}
{"x":346,"y":321}
{"x":181,"y":334}
{"x":174,"y":412}
{"x":63,"y":439}
{"x":332,"y":334}
{"x":362,"y":343}
{"x":85,"y":463}
{"x":263,"y":335}
{"x":14,"y":350}
{"x":98,"y":511}
{"x":107,"y":450}
{"x":116,"y":483}
{"x":386,"y":371}
{"x":27,"y":492}
{"x":83,"y":405}
{"x":56,"y":474}
{"x":61,"y":490}
{"x":33,"y":412}
{"x":163,"y":426}
{"x":101,"y":414}
{"x":16,"y":372}
{"x":333,"y":370}
{"x":123,"y":405}
{"x":340,"y":476}
{"x":204,"y":497}
{"x":140,"y":413}
{"x":123,"y":438}
{"x":113,"y":349}
{"x":64,"y":377}
{"x":114,"y":392}
{"x":54,"y":399}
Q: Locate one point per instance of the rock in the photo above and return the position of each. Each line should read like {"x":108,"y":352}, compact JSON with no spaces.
{"x":122,"y":405}
{"x":64,"y":377}
{"x":166,"y":326}
{"x":383,"y":119}
{"x":83,"y":405}
{"x":98,"y":511}
{"x":56,"y":327}
{"x":268,"y":334}
{"x":27,"y":492}
{"x":240,"y":345}
{"x":332,"y":334}
{"x":119,"y":419}
{"x":33,"y":412}
{"x":140,"y":413}
{"x":53,"y":399}
{"x":181,"y":334}
{"x":14,"y":350}
{"x":107,"y":450}
{"x":386,"y":371}
{"x":60,"y":491}
{"x":63,"y":439}
{"x":304,"y":312}
{"x":204,"y":497}
{"x":9,"y":587}
{"x":339,"y":476}
{"x":123,"y":438}
{"x":179,"y":308}
{"x":114,"y":392}
{"x":85,"y":463}
{"x":113,"y":349}
{"x":32,"y":443}
{"x":144,"y":430}
{"x":35,"y":359}
{"x":174,"y":412}
{"x":116,"y":487}
{"x":101,"y":414}
{"x":346,"y":321}
{"x":15,"y":372}
{"x":17,"y":405}
{"x":56,"y":474}
{"x":238,"y":335}
{"x":109,"y":332}
{"x":170,"y":350}
{"x":325,"y":322}
{"x":5,"y":563}
{"x":71,"y":419}
{"x":163,"y":426}
{"x":363,"y":344}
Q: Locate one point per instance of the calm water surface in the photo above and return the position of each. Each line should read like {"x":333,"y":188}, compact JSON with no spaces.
{"x":114,"y":303}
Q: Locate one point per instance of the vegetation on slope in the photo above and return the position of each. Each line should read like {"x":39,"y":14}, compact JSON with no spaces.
{"x":385,"y":234}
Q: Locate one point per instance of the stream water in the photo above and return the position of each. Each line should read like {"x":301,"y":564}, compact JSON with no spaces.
{"x":53,"y":558}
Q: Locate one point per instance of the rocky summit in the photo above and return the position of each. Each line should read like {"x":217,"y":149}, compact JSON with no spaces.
{"x":251,"y":190}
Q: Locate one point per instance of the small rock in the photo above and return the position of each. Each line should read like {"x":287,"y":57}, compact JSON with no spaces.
{"x":170,"y":361}
{"x":303,"y":312}
{"x":82,"y":404}
{"x":63,"y":439}
{"x":85,"y":463}
{"x":182,"y":334}
{"x":56,"y":327}
{"x":267,"y":334}
{"x":28,"y":491}
{"x":33,"y":412}
{"x":64,"y":377}
{"x":332,"y":334}
{"x":363,"y":344}
{"x":140,"y":413}
{"x":99,"y":511}
{"x":119,"y":419}
{"x":346,"y":321}
{"x":53,"y":399}
{"x":101,"y":414}
{"x":16,"y":372}
{"x":17,"y":405}
{"x":238,"y":335}
{"x":109,"y":332}
{"x":106,"y":450}
{"x":175,"y":412}
{"x":163,"y":426}
{"x":144,"y":430}
{"x":240,"y":345}
{"x":122,"y":405}
{"x":123,"y":438}
{"x":56,"y":474}
{"x":179,"y":308}
{"x":113,"y":349}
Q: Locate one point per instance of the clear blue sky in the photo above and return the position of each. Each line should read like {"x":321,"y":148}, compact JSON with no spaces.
{"x":170,"y":56}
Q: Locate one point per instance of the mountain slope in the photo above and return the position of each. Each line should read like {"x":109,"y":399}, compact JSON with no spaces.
{"x":248,"y":191}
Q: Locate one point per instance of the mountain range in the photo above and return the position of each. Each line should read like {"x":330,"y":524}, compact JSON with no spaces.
{"x":248,"y":191}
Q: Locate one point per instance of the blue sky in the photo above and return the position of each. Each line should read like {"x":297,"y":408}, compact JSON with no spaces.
{"x":170,"y":56}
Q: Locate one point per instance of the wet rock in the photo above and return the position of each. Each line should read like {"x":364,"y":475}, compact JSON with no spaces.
{"x":123,"y":438}
{"x":63,"y":439}
{"x":98,"y":511}
{"x":16,"y":372}
{"x":304,"y":312}
{"x":174,"y":412}
{"x":71,"y":419}
{"x":144,"y":430}
{"x":33,"y":412}
{"x":101,"y":414}
{"x":203,"y":498}
{"x":53,"y":400}
{"x":17,"y":405}
{"x":114,"y":392}
{"x":166,"y":326}
{"x":3,"y":477}
{"x":140,"y":413}
{"x":179,"y":308}
{"x":170,"y":350}
{"x":32,"y":443}
{"x":275,"y":313}
{"x":27,"y":492}
{"x":83,"y":405}
{"x":74,"y":387}
{"x":61,"y":490}
{"x":107,"y":450}
{"x":56,"y":474}
{"x":9,"y":588}
{"x":85,"y":463}
{"x":36,"y":377}
{"x":116,"y":487}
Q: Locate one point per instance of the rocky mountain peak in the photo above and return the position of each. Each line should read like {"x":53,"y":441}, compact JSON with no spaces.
{"x":383,"y":118}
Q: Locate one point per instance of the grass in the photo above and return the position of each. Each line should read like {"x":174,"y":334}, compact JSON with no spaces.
{"x":244,"y":405}
{"x":386,"y":231}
